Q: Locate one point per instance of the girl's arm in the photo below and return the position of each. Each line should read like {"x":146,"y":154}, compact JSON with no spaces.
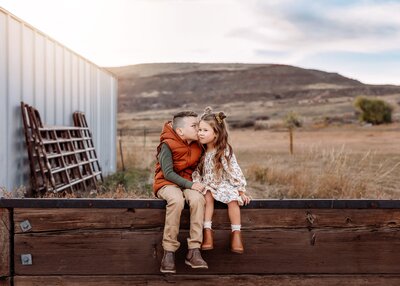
{"x":234,"y":173}
{"x":196,"y":177}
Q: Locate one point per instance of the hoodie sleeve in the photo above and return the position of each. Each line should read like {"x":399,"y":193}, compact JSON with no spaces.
{"x":167,"y":167}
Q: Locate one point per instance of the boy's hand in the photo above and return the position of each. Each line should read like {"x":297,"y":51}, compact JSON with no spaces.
{"x":198,"y":187}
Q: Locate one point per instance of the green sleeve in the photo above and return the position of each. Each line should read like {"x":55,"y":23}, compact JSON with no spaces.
{"x":167,"y":167}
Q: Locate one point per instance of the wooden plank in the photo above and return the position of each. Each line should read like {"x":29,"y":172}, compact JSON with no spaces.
{"x":5,"y":282}
{"x":211,"y":280}
{"x":92,"y":252}
{"x":277,"y":251}
{"x":160,"y":204}
{"x":69,"y":219}
{"x":5,"y":229}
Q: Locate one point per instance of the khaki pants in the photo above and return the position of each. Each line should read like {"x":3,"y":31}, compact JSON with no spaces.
{"x":175,"y":198}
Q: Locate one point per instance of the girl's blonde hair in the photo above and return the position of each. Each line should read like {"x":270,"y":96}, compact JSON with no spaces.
{"x":217,"y":122}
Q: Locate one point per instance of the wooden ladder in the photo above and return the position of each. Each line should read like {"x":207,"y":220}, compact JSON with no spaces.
{"x":62,"y":158}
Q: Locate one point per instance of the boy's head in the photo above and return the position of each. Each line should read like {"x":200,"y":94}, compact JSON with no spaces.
{"x":185,"y":124}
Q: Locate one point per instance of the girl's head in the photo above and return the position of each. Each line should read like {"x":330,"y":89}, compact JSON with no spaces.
{"x":213,"y":132}
{"x":212,"y":129}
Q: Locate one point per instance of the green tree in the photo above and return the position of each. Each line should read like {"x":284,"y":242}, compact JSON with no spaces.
{"x":375,"y":111}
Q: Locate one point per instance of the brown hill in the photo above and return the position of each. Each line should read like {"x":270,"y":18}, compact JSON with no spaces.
{"x":178,"y":85}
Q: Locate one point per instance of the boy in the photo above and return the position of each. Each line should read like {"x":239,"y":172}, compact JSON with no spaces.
{"x":178,"y":155}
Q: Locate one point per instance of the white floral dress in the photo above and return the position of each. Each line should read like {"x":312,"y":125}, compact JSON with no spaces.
{"x":225,"y":189}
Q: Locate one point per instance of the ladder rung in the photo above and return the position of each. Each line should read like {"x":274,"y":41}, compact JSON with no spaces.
{"x":68,"y":153}
{"x":57,"y":170}
{"x":76,"y":181}
{"x":61,"y":128}
{"x":46,"y":141}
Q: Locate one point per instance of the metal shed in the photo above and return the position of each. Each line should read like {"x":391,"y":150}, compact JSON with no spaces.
{"x":38,"y":70}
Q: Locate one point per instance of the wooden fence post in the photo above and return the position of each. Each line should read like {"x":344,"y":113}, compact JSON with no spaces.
{"x":144,"y":137}
{"x":120,"y":149}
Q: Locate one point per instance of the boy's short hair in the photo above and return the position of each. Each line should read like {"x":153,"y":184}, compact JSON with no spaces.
{"x":177,"y":121}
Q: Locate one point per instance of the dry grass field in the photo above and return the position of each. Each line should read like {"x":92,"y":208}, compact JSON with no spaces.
{"x":350,"y":161}
{"x":334,"y":156}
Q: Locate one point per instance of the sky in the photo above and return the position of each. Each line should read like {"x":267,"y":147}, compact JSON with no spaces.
{"x":359,"y":39}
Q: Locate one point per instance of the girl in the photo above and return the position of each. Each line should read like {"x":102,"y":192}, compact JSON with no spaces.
{"x":222,"y":177}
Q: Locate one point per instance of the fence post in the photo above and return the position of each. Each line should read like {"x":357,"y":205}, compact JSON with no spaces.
{"x":144,"y":137}
{"x":120,"y":150}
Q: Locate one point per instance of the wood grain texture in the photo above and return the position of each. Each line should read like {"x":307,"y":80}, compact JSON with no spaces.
{"x":69,"y":219}
{"x":211,"y":280}
{"x":5,"y":242}
{"x":5,"y":282}
{"x":268,"y":251}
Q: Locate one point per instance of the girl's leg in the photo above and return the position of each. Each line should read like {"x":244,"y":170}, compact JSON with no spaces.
{"x":234,"y":212}
{"x":208,"y":239}
{"x":236,"y":237}
{"x":209,"y":207}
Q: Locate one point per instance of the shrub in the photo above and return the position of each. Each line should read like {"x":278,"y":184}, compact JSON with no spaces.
{"x":374,"y":111}
{"x":292,"y":120}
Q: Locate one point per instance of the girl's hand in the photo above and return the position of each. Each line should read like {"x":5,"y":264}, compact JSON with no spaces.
{"x":246,"y":199}
{"x":198,"y":187}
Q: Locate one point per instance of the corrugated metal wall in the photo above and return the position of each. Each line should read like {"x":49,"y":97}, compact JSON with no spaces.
{"x":41,"y":72}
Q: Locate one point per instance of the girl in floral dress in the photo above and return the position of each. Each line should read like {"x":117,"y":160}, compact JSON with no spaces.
{"x":222,"y":177}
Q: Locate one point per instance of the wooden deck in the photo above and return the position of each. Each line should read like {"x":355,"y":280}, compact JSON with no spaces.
{"x":118,"y":242}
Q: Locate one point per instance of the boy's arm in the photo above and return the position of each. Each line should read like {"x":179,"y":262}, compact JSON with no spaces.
{"x":167,"y":167}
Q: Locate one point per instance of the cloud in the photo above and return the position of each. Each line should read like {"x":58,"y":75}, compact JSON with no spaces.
{"x":305,"y":27}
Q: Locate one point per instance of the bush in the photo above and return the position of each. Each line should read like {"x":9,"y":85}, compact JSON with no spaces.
{"x":375,"y":111}
{"x":292,"y":120}
{"x":241,"y":123}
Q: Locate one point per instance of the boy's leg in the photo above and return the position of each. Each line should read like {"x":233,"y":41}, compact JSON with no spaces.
{"x":175,"y":203}
{"x":196,"y":203}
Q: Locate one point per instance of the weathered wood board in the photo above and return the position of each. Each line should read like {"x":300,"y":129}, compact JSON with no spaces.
{"x":105,"y":244}
{"x":5,"y":282}
{"x":5,"y":229}
{"x":211,"y":280}
{"x":125,"y":252}
{"x":69,"y":219}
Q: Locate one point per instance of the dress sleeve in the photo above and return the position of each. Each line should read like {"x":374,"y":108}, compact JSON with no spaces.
{"x":196,"y":177}
{"x":234,"y":173}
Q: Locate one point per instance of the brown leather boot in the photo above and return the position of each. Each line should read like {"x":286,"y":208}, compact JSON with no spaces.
{"x":208,"y":239}
{"x":236,"y":242}
{"x":194,"y":259}
{"x":168,"y":262}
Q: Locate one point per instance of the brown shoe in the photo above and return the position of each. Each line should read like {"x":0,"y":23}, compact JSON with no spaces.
{"x":236,"y":242}
{"x":194,"y":259}
{"x":168,"y":262}
{"x":208,"y":239}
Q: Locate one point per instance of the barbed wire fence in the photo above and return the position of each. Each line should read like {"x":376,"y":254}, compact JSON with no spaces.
{"x":126,"y":135}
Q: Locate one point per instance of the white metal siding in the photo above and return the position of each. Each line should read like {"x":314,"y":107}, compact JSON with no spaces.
{"x":41,"y":72}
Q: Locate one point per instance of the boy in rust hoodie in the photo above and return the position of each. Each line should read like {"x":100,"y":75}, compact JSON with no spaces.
{"x":178,"y":155}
